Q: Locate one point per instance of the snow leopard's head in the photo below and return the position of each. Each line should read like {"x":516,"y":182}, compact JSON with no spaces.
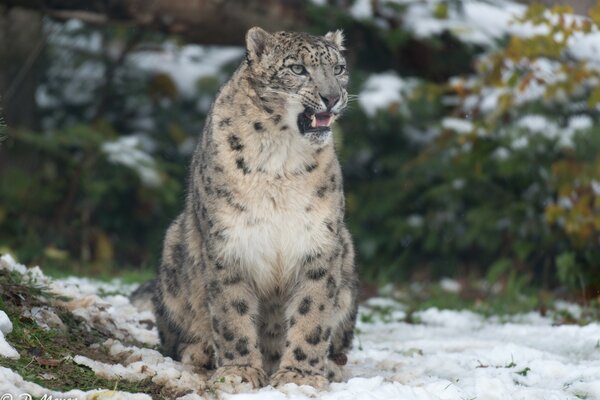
{"x":307,"y":74}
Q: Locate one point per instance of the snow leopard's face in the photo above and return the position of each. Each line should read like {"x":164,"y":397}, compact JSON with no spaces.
{"x":307,"y":73}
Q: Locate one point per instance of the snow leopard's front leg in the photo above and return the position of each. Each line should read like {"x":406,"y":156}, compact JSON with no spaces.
{"x":317,"y":307}
{"x":234,"y":310}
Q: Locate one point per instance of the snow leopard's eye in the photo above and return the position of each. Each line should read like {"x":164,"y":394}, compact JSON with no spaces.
{"x":298,"y":69}
{"x":339,"y":69}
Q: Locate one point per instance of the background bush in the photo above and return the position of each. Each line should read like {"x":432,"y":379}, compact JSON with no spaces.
{"x":483,"y":162}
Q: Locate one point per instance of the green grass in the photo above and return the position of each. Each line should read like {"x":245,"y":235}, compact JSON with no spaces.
{"x":502,"y":303}
{"x":127,"y":275}
{"x":45,"y":353}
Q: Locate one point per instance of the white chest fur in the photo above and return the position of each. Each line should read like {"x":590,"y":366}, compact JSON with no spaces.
{"x":282,"y":225}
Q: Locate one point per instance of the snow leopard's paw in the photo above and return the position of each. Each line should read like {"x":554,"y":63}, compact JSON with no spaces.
{"x":299,"y":377}
{"x":235,"y":374}
{"x":335,"y":373}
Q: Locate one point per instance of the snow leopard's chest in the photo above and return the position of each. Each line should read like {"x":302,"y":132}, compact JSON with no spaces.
{"x":281,"y":226}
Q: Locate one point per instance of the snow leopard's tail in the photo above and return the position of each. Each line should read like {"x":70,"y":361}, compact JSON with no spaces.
{"x":142,"y":296}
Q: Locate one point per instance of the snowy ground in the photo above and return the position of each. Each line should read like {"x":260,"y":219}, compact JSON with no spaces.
{"x":444,"y":355}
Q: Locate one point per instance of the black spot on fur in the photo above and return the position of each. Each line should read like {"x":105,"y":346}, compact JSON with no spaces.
{"x":229,"y":355}
{"x":329,"y":226}
{"x":241,"y":164}
{"x":321,"y":191}
{"x":287,"y":343}
{"x":235,"y":143}
{"x":228,"y":196}
{"x":347,"y":338}
{"x":215,"y":325}
{"x":334,"y":255}
{"x":258,"y":126}
{"x":276,"y":119}
{"x":232,"y":280}
{"x":269,"y":110}
{"x":275,"y":357}
{"x":292,"y":321}
{"x":240,"y":306}
{"x":242,"y":346}
{"x":304,"y":306}
{"x":313,"y":361}
{"x":322,"y":307}
{"x":299,"y":355}
{"x":228,"y":334}
{"x":171,"y":279}
{"x":327,"y":333}
{"x":284,"y":128}
{"x":179,"y":254}
{"x":311,"y":167}
{"x":316,"y":274}
{"x":331,"y":286}
{"x":213,"y":290}
{"x":310,"y":258}
{"x":314,"y":337}
{"x":225,"y":122}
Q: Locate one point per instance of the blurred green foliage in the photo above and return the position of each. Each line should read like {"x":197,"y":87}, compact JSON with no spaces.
{"x":471,"y":201}
{"x":425,"y":199}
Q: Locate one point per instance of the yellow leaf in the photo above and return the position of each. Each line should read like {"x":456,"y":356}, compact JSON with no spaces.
{"x":594,"y":97}
{"x":441,"y":11}
{"x":594,"y":13}
{"x":56,"y":254}
{"x":104,"y":248}
{"x":105,"y":394}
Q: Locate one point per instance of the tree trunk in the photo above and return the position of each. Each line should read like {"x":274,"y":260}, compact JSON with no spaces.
{"x":222,"y":22}
{"x":21,"y":41}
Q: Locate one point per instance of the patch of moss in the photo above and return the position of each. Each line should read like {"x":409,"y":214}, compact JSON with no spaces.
{"x":46,"y":355}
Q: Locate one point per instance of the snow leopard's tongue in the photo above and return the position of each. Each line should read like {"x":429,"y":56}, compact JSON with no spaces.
{"x":321,"y":120}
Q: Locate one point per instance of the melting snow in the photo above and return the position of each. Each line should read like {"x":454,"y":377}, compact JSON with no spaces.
{"x":449,"y":355}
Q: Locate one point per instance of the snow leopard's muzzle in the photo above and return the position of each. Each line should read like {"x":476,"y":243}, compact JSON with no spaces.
{"x":316,"y":123}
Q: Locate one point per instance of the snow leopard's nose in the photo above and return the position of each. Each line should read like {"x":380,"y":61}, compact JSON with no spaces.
{"x":330,"y":100}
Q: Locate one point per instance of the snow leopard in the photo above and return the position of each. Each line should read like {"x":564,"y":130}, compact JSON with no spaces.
{"x":257,"y":279}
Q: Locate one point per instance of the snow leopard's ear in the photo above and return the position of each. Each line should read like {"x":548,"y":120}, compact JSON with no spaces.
{"x":258,"y":42}
{"x":337,"y":38}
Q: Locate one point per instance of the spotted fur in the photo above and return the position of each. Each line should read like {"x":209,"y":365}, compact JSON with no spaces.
{"x":257,"y":276}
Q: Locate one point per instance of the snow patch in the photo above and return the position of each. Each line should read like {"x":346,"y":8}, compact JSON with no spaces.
{"x":14,"y":385}
{"x":185,"y":65}
{"x":126,"y":151}
{"x":6,"y":350}
{"x":382,"y":90}
{"x":458,"y":125}
{"x":449,"y":355}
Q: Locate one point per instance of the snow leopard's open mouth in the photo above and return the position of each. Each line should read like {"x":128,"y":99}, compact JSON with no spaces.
{"x":310,"y":122}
